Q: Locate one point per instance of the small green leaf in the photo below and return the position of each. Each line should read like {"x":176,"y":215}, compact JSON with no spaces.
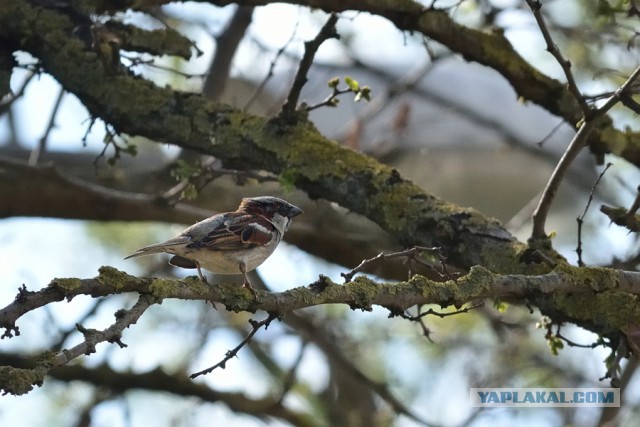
{"x":184,"y":170}
{"x":333,"y":83}
{"x":131,"y":149}
{"x":500,"y":305}
{"x":353,"y":84}
{"x":189,"y":192}
{"x":365,"y":92}
{"x":555,"y":345}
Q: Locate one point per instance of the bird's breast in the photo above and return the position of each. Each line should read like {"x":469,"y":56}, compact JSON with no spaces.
{"x":228,"y":262}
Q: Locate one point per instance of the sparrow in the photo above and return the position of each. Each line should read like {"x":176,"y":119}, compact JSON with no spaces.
{"x":231,"y":242}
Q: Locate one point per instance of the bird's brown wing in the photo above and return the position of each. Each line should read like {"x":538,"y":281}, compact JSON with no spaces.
{"x":237,"y":232}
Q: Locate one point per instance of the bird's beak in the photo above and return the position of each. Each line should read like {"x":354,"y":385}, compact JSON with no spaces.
{"x":295,"y":211}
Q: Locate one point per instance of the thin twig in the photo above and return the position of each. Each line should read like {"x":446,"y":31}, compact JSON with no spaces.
{"x":616,"y":357}
{"x":64,"y":335}
{"x":207,"y":173}
{"x":426,"y":331}
{"x":233,"y":352}
{"x":625,"y":217}
{"x":110,"y":140}
{"x":439,"y":314}
{"x":151,"y":63}
{"x":578,"y":142}
{"x":409,"y":253}
{"x":580,"y":219}
{"x":548,"y":136}
{"x":272,"y":67}
{"x":7,"y":101}
{"x":636,"y":203}
{"x":329,"y":101}
{"x":590,"y":117}
{"x":113,"y":334}
{"x":553,"y":49}
{"x":550,"y":190}
{"x":42,"y":143}
{"x":328,"y":31}
{"x":571,"y":343}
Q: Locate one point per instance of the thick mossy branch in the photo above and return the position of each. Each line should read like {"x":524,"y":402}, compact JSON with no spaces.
{"x":493,"y":50}
{"x":305,"y":159}
{"x":585,"y":290}
{"x":298,"y":153}
{"x":156,"y":42}
{"x":19,"y":381}
{"x":156,"y":380}
{"x":602,"y":300}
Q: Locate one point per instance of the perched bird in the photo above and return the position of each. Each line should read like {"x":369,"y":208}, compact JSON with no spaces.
{"x":231,"y":242}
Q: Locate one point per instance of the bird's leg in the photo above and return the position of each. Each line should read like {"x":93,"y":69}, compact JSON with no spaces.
{"x":247,"y":284}
{"x":204,"y":279}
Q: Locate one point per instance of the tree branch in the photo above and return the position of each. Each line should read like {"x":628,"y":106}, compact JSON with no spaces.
{"x":62,"y":195}
{"x":113,"y":334}
{"x":411,"y":255}
{"x":579,"y":141}
{"x":299,"y":154}
{"x":324,"y":230}
{"x":600,"y":299}
{"x":536,"y":7}
{"x":580,"y":219}
{"x":226,"y":46}
{"x":255,"y":327}
{"x":362,"y":293}
{"x":491,"y":49}
{"x":176,"y":383}
{"x":20,"y":381}
{"x":328,"y":31}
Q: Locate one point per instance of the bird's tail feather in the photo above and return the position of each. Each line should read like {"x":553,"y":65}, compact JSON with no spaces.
{"x":159,"y":247}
